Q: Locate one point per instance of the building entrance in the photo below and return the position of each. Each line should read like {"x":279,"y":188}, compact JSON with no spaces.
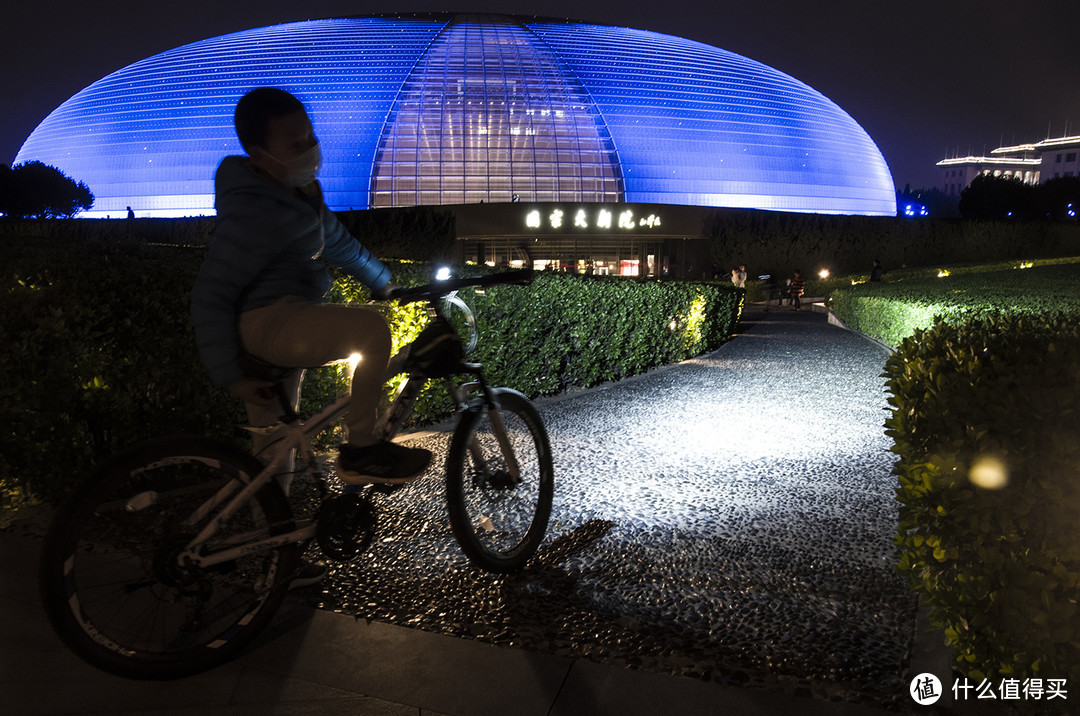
{"x":594,"y":239}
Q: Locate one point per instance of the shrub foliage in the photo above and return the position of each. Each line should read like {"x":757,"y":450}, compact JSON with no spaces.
{"x":984,"y":423}
{"x":97,"y":348}
{"x":33,"y":189}
{"x":777,"y":243}
{"x":910,"y":300}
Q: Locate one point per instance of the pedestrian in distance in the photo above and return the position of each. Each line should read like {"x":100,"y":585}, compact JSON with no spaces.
{"x":877,"y":272}
{"x":738,"y":276}
{"x":796,"y":288}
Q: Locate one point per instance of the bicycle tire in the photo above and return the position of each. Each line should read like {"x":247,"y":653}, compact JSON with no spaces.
{"x":499,"y":525}
{"x":116,"y":598}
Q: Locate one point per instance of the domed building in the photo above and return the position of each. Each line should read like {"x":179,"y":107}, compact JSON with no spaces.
{"x":457,"y":109}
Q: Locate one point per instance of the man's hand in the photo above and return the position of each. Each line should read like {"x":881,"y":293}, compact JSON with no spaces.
{"x":384,"y":293}
{"x":254,"y":391}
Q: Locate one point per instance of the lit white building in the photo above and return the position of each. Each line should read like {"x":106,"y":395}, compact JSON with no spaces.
{"x":1032,"y":163}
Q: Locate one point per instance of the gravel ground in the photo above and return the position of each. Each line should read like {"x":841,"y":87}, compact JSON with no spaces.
{"x":727,"y":518}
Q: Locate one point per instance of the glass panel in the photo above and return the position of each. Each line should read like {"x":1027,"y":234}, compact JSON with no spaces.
{"x":488,"y":87}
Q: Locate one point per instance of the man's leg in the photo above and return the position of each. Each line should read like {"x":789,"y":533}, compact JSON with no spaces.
{"x":296,"y":333}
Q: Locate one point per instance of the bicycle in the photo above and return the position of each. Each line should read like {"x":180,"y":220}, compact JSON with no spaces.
{"x":173,"y":555}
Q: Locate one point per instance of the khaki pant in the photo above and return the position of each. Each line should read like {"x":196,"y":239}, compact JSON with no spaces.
{"x":295,"y":333}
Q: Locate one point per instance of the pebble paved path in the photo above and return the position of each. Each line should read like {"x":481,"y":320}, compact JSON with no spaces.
{"x":728,"y":518}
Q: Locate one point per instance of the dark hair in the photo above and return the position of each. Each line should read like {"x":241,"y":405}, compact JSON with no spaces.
{"x":255,"y":110}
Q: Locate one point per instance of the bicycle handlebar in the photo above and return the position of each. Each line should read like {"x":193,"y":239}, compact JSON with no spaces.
{"x":439,"y":289}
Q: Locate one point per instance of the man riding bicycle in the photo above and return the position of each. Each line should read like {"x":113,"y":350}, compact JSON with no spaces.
{"x":261,"y":287}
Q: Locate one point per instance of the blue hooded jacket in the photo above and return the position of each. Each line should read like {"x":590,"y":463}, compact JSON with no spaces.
{"x":270,"y":242}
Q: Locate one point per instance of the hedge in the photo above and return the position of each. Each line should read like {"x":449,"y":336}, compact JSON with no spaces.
{"x":97,"y":350}
{"x":777,"y":243}
{"x":984,"y":421}
{"x":590,"y":330}
{"x":892,"y":310}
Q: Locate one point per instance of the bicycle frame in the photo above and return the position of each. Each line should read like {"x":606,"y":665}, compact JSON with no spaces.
{"x":296,"y":435}
{"x":174,"y":555}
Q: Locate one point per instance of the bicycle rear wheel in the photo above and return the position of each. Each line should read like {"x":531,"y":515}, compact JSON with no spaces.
{"x":500,"y":521}
{"x":112,"y":585}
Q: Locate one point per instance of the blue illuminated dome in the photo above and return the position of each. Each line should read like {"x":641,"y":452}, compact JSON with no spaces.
{"x":451,"y":109}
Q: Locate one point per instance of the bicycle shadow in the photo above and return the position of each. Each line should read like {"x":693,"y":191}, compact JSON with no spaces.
{"x":526,"y":599}
{"x":561,"y":602}
{"x":565,"y":546}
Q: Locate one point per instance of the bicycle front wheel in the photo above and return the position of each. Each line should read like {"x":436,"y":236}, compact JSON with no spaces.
{"x":113,"y":586}
{"x":500,"y":519}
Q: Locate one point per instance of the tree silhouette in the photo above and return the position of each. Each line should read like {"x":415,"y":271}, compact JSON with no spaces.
{"x":1059,"y":198}
{"x":938,"y":203}
{"x":36,"y":190}
{"x":991,"y":197}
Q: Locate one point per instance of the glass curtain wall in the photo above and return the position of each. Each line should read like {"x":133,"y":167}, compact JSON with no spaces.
{"x":488,"y":114}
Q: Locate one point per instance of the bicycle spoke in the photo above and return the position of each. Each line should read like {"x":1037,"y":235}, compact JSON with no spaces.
{"x":121,"y":595}
{"x":502,"y":517}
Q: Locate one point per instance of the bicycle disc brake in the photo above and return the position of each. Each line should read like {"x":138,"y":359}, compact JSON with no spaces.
{"x":346,"y":526}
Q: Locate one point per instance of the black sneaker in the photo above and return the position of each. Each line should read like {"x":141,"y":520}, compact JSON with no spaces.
{"x":382,"y":463}
{"x":307,"y":573}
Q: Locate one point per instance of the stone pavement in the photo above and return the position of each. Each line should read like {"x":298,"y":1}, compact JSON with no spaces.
{"x":741,"y":566}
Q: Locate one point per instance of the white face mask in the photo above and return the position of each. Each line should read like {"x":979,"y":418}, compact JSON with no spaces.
{"x":301,"y":170}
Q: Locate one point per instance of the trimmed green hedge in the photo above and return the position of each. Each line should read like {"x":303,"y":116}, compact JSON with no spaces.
{"x":590,"y":330}
{"x":910,"y":300}
{"x":97,"y":349}
{"x":984,"y":421}
{"x":779,"y":242}
{"x":984,"y":391}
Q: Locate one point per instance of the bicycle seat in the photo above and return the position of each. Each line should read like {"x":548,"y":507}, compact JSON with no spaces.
{"x":255,"y":367}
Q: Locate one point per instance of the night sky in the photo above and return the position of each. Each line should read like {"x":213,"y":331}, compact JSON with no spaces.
{"x":925,"y":78}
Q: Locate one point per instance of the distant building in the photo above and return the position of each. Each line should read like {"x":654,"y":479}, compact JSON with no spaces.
{"x":1032,"y":163}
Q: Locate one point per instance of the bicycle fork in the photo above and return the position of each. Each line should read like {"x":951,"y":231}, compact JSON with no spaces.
{"x":394,"y":418}
{"x":459,"y":395}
